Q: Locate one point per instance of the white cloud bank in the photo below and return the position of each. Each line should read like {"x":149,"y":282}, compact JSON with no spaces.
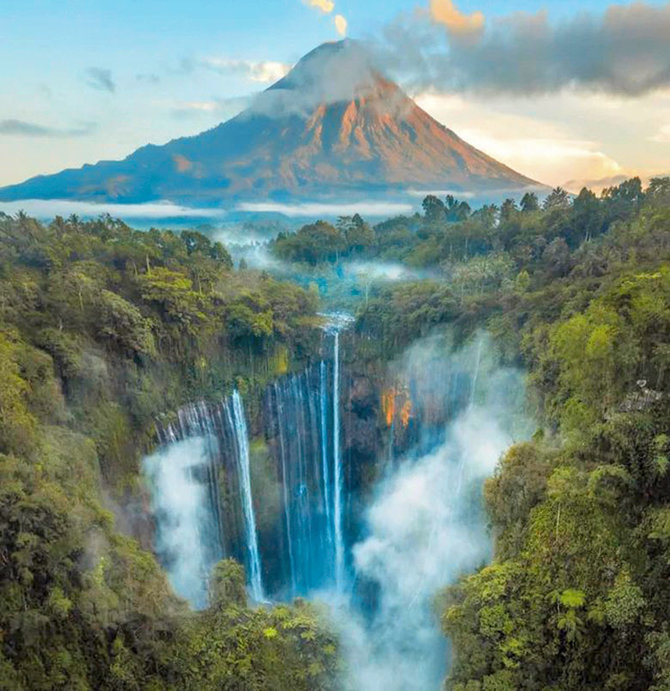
{"x":316,"y":209}
{"x":48,"y":208}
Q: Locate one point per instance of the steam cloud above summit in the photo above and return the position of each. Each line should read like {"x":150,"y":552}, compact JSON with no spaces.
{"x":623,"y":51}
{"x":341,"y":25}
{"x":326,"y":6}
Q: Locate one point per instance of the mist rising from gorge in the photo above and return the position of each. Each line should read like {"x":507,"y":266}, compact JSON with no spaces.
{"x":425,"y":522}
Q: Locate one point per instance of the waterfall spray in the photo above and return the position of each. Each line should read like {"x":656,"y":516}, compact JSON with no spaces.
{"x":425,"y":524}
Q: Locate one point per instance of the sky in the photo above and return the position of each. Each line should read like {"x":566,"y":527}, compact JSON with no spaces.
{"x":530,"y":83}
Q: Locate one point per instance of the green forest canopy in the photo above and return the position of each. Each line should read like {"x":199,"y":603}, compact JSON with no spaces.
{"x":103,"y":328}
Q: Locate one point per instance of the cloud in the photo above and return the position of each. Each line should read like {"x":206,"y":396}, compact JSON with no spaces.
{"x":662,"y":136}
{"x":541,"y":148}
{"x":263,"y":71}
{"x":148,"y":78}
{"x":597,"y":186}
{"x":201,"y":106}
{"x":341,"y":25}
{"x":316,"y":209}
{"x":550,"y":160}
{"x":333,"y":73}
{"x":446,"y":13}
{"x":48,"y":208}
{"x":622,"y":51}
{"x":101,"y":79}
{"x":326,"y":6}
{"x":222,"y":108}
{"x":21,"y":128}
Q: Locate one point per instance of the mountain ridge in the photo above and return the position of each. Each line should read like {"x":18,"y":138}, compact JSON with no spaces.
{"x":333,"y":126}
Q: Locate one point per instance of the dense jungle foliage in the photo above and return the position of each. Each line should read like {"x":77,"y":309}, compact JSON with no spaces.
{"x":102,"y":329}
{"x":578,"y":291}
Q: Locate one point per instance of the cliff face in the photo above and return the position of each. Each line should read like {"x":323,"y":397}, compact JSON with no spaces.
{"x":333,"y":126}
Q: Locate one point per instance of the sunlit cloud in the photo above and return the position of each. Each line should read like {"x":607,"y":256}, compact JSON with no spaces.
{"x":596,"y":185}
{"x":662,"y":136}
{"x":446,"y":13}
{"x":551,"y":161}
{"x":623,"y":50}
{"x":541,"y":149}
{"x":341,"y":25}
{"x":326,"y":6}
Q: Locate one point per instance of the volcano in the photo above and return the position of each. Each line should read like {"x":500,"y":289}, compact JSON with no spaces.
{"x":333,"y":127}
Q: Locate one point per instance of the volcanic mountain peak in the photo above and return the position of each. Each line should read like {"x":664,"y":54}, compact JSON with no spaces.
{"x":342,"y":66}
{"x":333,"y":127}
{"x":334,"y":72}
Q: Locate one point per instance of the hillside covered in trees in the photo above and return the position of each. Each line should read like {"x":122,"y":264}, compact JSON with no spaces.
{"x":578,"y":291}
{"x":104,"y":330}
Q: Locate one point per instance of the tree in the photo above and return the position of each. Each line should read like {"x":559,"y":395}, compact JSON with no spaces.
{"x":358,"y":233}
{"x":456,"y":210}
{"x":124,"y":325}
{"x":530,"y":202}
{"x":588,"y":216}
{"x":507,"y":210}
{"x":433,"y":209}
{"x":557,"y":199}
{"x":658,"y":192}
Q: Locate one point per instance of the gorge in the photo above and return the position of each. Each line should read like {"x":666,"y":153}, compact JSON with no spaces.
{"x":375,"y":553}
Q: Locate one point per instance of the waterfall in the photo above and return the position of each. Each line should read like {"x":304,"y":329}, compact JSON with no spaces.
{"x":450,"y":414}
{"x":239,"y":424}
{"x":200,"y":485}
{"x":323,"y":397}
{"x":280,"y":411}
{"x":337,"y":463}
{"x":300,"y":432}
{"x":337,"y":322}
{"x":304,"y":430}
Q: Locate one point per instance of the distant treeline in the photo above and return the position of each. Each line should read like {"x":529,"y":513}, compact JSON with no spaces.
{"x":449,"y":231}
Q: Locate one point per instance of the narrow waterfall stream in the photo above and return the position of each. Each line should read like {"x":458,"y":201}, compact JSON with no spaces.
{"x":336,"y":323}
{"x":239,"y":424}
